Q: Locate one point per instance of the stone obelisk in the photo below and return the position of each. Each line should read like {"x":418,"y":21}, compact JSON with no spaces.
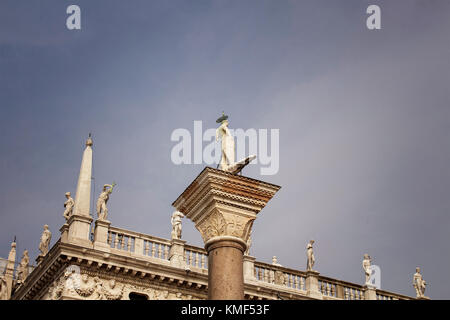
{"x":9,"y":270}
{"x":80,"y":221}
{"x":223,"y":207}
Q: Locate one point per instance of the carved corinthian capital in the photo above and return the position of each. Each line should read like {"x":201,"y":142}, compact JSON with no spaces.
{"x":222,"y":204}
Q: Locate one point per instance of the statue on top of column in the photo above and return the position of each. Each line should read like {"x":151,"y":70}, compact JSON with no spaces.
{"x":45,"y":241}
{"x":102,"y":210}
{"x":310,"y":255}
{"x":419,"y":284}
{"x":68,"y":205}
{"x":227,"y":162}
{"x":176,"y":224}
{"x":366,"y":264}
{"x":22,"y":270}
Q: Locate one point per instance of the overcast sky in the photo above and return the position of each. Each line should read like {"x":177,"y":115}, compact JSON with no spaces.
{"x":364,"y":120}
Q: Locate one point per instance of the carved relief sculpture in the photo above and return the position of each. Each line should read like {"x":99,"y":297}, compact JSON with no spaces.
{"x":22,"y":271}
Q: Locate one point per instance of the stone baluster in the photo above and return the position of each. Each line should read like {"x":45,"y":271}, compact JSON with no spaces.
{"x":203,"y":261}
{"x":166,"y":252}
{"x":153,"y":249}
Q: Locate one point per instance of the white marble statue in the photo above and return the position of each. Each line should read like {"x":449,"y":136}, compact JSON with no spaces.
{"x":68,"y":205}
{"x":102,"y":210}
{"x":310,"y":256}
{"x":22,"y":270}
{"x":419,"y":284}
{"x":227,"y":162}
{"x":45,"y":241}
{"x":366,"y":264}
{"x":176,"y":224}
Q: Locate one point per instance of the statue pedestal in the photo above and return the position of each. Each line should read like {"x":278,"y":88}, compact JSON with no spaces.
{"x":64,"y":232}
{"x":176,"y":253}
{"x":101,"y":235}
{"x":370,"y":292}
{"x":249,"y":268}
{"x":79,"y":230}
{"x":223,"y":207}
{"x":312,"y":285}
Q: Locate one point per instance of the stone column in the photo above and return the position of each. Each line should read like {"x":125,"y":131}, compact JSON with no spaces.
{"x":223,"y":207}
{"x":101,"y":235}
{"x":312,"y":284}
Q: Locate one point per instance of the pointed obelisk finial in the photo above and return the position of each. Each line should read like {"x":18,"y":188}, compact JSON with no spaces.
{"x":9,"y":269}
{"x":89,"y":140}
{"x":80,"y":220}
{"x":83,"y":193}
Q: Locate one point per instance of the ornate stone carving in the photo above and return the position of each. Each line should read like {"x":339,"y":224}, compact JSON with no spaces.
{"x":68,"y":205}
{"x":280,"y":278}
{"x":3,"y":288}
{"x":249,"y":243}
{"x":45,"y":241}
{"x":225,"y":224}
{"x":213,"y":227}
{"x":22,"y":271}
{"x":111,"y":291}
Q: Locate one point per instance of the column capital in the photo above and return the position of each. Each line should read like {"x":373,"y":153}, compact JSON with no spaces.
{"x":222,"y":204}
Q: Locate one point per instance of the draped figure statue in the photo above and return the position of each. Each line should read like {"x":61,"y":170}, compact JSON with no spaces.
{"x":227,"y":162}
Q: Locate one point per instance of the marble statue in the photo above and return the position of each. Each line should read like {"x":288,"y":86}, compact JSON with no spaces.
{"x":227,"y":162}
{"x":102,"y":210}
{"x":249,"y":243}
{"x":3,"y":288}
{"x":419,"y":284}
{"x":275,"y":262}
{"x":68,"y":205}
{"x":22,"y":270}
{"x":176,"y":224}
{"x":45,"y":241}
{"x":310,"y":255}
{"x":366,"y":264}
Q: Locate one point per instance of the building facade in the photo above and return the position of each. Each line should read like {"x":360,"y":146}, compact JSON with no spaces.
{"x":93,"y":260}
